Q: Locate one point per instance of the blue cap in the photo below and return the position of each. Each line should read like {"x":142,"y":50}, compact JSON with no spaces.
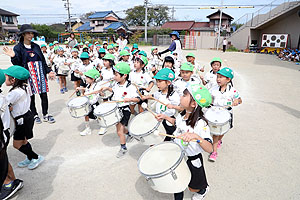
{"x":174,"y":33}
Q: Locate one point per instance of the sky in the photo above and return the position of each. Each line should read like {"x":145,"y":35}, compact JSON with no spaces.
{"x":53,"y":11}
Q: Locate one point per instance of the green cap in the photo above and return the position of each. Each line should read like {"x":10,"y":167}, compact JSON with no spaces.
{"x":17,"y":72}
{"x":116,"y":45}
{"x":92,"y":73}
{"x":84,"y":55}
{"x":216,"y":59}
{"x":108,"y":56}
{"x":74,"y":50}
{"x":55,"y":42}
{"x":66,"y":42}
{"x":143,"y":53}
{"x":227,"y":72}
{"x":81,"y":43}
{"x":124,"y":53}
{"x":187,"y":66}
{"x":87,"y":42}
{"x":135,"y":45}
{"x":55,"y":48}
{"x":200,"y":94}
{"x":110,"y":46}
{"x":102,"y":50}
{"x":51,"y":44}
{"x":153,"y":48}
{"x":190,"y":55}
{"x":2,"y":77}
{"x":134,"y":51}
{"x":165,"y":74}
{"x":122,"y":68}
{"x":90,"y":45}
{"x":43,"y":45}
{"x":143,"y":59}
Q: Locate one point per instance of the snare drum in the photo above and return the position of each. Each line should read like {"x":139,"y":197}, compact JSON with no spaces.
{"x":107,"y":95}
{"x":79,"y":107}
{"x":218,"y":120}
{"x":108,"y":114}
{"x":165,"y":168}
{"x":143,"y":126}
{"x":63,"y":70}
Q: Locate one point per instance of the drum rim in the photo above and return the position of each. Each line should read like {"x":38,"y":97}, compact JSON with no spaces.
{"x":145,"y":134}
{"x":107,"y":113}
{"x":168,"y":171}
{"x":104,"y":98}
{"x":78,"y":106}
{"x":216,"y":123}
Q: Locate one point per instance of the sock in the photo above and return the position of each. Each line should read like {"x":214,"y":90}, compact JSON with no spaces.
{"x":8,"y":184}
{"x":202,"y":191}
{"x":123,"y":146}
{"x":27,"y":150}
{"x":87,"y":125}
{"x":178,"y":196}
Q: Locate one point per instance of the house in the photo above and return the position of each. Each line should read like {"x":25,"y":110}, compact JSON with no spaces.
{"x":100,"y":22}
{"x":201,"y":28}
{"x":8,"y":23}
{"x":75,"y":23}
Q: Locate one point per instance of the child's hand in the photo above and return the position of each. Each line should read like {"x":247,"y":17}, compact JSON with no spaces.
{"x":76,"y":71}
{"x":170,"y":106}
{"x":201,"y":77}
{"x":148,"y":89}
{"x":127,"y":100}
{"x":235,"y":102}
{"x":144,"y":98}
{"x":160,"y":117}
{"x":187,"y":137}
{"x":202,"y":69}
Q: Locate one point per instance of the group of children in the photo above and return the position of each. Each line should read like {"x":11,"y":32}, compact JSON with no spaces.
{"x":130,"y":76}
{"x":290,"y":55}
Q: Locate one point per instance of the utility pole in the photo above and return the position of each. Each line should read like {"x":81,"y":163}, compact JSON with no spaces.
{"x":219,"y":29}
{"x":146,"y":19}
{"x":173,"y":12}
{"x":67,"y":6}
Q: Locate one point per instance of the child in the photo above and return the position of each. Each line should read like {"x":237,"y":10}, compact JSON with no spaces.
{"x":167,"y":95}
{"x":141,"y":78}
{"x":192,"y":125}
{"x":59,"y":61}
{"x":224,"y":94}
{"x":210,"y":78}
{"x":186,"y":71}
{"x":125,"y":57}
{"x":154,"y":59}
{"x":190,"y":57}
{"x":8,"y":182}
{"x":116,"y":49}
{"x":98,"y":62}
{"x":91,"y":76}
{"x":19,"y":101}
{"x":107,"y":71}
{"x":86,"y":65}
{"x":46,"y":54}
{"x":74,"y":62}
{"x":123,"y":90}
{"x":104,"y":45}
{"x":110,"y":49}
{"x":134,"y":47}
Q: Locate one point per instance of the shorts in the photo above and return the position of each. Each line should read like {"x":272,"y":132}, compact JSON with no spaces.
{"x":3,"y":165}
{"x":74,"y":78}
{"x":82,"y":83}
{"x":169,"y":129}
{"x":24,"y":130}
{"x":126,"y":115}
{"x":91,"y":114}
{"x":198,"y":180}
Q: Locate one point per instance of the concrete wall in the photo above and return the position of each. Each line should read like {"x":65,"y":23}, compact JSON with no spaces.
{"x":240,"y":39}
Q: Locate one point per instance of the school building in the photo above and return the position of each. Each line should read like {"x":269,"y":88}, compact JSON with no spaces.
{"x":8,"y":23}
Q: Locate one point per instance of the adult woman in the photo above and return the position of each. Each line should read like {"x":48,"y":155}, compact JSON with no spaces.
{"x":29,"y":55}
{"x":72,"y":41}
{"x":175,"y":46}
{"x":121,"y":41}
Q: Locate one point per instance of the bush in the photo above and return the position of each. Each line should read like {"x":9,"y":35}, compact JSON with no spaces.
{"x":232,"y":48}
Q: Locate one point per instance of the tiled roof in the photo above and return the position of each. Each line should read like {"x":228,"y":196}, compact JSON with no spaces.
{"x":178,"y":25}
{"x":100,"y":14}
{"x":7,"y":13}
{"x":218,"y":13}
{"x":85,"y":27}
{"x":115,"y":26}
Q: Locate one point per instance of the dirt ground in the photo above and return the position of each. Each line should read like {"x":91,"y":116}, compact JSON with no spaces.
{"x":259,"y":158}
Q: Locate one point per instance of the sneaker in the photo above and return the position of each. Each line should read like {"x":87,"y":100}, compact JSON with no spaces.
{"x":36,"y":162}
{"x":7,"y":192}
{"x":201,"y":195}
{"x":219,"y":144}
{"x":24,"y":163}
{"x":87,"y":131}
{"x":213,"y":156}
{"x":62,"y":91}
{"x":129,"y":138}
{"x":66,"y":89}
{"x":121,"y":152}
{"x":102,"y":131}
{"x":49,"y":118}
{"x":37,"y":119}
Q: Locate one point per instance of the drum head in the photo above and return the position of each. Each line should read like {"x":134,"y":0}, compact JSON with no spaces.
{"x":105,"y":107}
{"x":160,"y":158}
{"x":217,"y":115}
{"x":107,"y":94}
{"x":78,"y":101}
{"x":142,"y":123}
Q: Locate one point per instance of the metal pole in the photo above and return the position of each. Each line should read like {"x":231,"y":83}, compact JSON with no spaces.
{"x":219,"y":30}
{"x":69,"y":15}
{"x":146,"y":19}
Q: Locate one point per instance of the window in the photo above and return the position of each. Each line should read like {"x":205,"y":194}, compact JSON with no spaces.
{"x":216,"y":22}
{"x":3,"y":18}
{"x":7,"y":19}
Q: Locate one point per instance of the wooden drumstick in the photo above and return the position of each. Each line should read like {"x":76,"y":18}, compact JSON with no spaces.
{"x":144,"y":106}
{"x":172,"y":136}
{"x":159,"y":101}
{"x":138,"y":89}
{"x":113,"y":102}
{"x":106,"y":82}
{"x":73,"y":93}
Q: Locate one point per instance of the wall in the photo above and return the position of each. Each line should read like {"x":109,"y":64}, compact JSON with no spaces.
{"x":239,"y":39}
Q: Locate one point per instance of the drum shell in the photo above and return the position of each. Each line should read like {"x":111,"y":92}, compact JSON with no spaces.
{"x":218,"y":129}
{"x":80,"y":110}
{"x":109,"y":118}
{"x":63,"y":70}
{"x":174,"y":180}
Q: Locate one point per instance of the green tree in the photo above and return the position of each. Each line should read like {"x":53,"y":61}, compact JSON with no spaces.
{"x":44,"y":30}
{"x":156,"y":16}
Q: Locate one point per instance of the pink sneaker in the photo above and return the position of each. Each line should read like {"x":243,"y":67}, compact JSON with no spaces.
{"x":213,"y":156}
{"x":219,"y":144}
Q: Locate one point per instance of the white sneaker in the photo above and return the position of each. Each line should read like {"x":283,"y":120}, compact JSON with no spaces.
{"x":121,"y":152}
{"x":87,"y":131}
{"x":198,"y":196}
{"x":102,"y":131}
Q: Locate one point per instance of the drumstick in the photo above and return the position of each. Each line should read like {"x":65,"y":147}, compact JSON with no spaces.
{"x":144,"y":106}
{"x":113,"y":101}
{"x":172,"y":136}
{"x":159,"y":101}
{"x":106,"y":82}
{"x":72,"y":94}
{"x":137,"y":89}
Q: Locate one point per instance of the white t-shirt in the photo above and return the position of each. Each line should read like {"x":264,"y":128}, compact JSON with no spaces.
{"x":93,"y":98}
{"x":107,"y":74}
{"x":210,"y":79}
{"x":180,"y":85}
{"x":59,"y":60}
{"x":201,"y":129}
{"x":225,"y":98}
{"x":124,"y":91}
{"x":173,"y":99}
{"x":19,"y":99}
{"x":5,"y":114}
{"x":224,"y":42}
{"x":75,"y":63}
{"x":122,"y":43}
{"x":142,"y":79}
{"x":98,"y":62}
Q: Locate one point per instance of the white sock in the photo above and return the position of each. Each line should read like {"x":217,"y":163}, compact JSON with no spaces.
{"x":87,"y":125}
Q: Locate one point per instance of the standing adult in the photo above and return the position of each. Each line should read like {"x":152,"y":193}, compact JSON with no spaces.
{"x":72,"y":41}
{"x":29,"y":55}
{"x":175,"y":47}
{"x":224,"y":44}
{"x":122,"y":41}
